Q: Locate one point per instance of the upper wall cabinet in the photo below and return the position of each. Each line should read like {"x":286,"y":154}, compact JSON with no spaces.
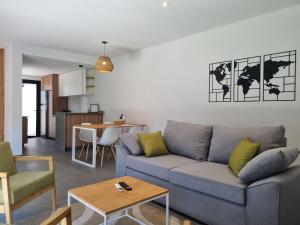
{"x":73,"y":83}
{"x":77,"y":82}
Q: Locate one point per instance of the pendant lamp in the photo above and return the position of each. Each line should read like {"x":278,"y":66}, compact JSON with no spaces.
{"x":104,"y":63}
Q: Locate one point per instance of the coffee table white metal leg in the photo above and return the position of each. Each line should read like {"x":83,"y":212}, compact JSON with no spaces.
{"x":69,"y":199}
{"x":108,"y":220}
{"x":105,"y":220}
{"x":167,"y":210}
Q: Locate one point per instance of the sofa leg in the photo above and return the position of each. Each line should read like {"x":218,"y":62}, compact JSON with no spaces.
{"x":53,"y":195}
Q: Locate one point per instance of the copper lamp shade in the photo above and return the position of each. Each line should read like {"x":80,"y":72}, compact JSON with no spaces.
{"x":104,"y":63}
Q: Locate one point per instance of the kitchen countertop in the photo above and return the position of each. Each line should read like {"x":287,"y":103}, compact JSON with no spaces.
{"x":81,"y":113}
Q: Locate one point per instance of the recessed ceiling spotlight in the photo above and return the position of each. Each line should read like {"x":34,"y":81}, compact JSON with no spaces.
{"x":166,"y":4}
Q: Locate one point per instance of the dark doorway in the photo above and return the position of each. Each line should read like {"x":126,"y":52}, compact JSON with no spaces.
{"x":31,"y":106}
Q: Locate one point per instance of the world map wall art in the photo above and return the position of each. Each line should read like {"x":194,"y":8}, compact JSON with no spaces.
{"x":240,"y":79}
{"x":280,"y":76}
{"x":220,"y":81}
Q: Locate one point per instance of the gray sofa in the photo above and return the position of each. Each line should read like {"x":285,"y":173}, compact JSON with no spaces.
{"x":201,"y":185}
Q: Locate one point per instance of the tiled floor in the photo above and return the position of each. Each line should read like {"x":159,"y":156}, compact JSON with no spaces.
{"x":68,"y":175}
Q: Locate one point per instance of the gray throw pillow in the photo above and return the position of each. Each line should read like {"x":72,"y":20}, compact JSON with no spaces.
{"x":187,"y":139}
{"x":131,"y":141}
{"x":225,"y":139}
{"x":268,"y":163}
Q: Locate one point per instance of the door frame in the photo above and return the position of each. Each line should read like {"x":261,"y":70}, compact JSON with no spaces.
{"x":2,"y":103}
{"x":38,"y":105}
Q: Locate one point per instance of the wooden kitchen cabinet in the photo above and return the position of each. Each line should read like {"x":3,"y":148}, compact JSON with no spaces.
{"x":65,"y":123}
{"x":47,"y":83}
{"x":51,"y":83}
{"x":24,"y":130}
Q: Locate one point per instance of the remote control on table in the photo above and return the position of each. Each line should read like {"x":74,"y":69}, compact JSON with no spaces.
{"x":119,"y":187}
{"x":125,"y":186}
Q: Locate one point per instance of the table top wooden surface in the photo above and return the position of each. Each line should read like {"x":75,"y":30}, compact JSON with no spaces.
{"x":105,"y":198}
{"x":106,"y":125}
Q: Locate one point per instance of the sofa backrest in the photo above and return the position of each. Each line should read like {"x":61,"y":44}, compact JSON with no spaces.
{"x":225,"y":139}
{"x":188,"y":139}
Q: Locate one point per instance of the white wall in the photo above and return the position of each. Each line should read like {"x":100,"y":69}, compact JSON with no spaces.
{"x":170,"y":81}
{"x":31,"y":77}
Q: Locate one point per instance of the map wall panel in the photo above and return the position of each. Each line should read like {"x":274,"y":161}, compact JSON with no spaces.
{"x":280,"y":76}
{"x":246,"y":86}
{"x":220,"y":76}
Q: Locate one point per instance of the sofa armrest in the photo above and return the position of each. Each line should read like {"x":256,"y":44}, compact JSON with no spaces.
{"x":275,"y":200}
{"x":122,"y":153}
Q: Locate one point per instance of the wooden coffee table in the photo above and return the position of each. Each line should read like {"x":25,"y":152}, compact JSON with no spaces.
{"x":104,"y":199}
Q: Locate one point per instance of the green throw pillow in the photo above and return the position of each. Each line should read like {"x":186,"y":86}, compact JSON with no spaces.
{"x":153,"y":144}
{"x":242,"y":154}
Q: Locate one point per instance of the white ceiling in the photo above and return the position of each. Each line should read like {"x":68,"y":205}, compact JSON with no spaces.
{"x":80,"y":25}
{"x":38,"y":66}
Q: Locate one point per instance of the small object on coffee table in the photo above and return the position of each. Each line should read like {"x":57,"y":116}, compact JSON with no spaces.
{"x":125,"y":186}
{"x":104,"y":200}
{"x":119,"y":187}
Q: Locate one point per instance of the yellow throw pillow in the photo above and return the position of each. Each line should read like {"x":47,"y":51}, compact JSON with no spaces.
{"x":153,"y":144}
{"x":242,"y":154}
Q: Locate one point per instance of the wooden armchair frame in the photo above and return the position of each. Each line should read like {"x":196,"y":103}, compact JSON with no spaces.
{"x":62,"y":216}
{"x":8,"y":207}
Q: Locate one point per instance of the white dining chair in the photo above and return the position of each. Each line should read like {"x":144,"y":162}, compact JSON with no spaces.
{"x":107,"y":142}
{"x":86,"y":136}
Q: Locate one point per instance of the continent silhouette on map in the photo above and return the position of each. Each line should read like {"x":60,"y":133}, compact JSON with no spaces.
{"x":248,"y":76}
{"x":271,"y":68}
{"x":220,"y":74}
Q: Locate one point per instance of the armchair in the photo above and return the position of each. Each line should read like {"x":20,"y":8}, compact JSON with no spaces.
{"x":62,"y":216}
{"x":18,"y":188}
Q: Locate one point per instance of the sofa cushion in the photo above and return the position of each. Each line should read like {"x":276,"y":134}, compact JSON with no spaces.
{"x":131,"y":141}
{"x":24,"y":184}
{"x":242,"y":154}
{"x":153,"y":144}
{"x":158,"y":166}
{"x":224,"y":140}
{"x":268,"y":163}
{"x":187,"y":139}
{"x":213,"y":179}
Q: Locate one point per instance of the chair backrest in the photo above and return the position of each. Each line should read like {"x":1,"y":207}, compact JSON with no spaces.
{"x":86,"y":135}
{"x":7,"y":161}
{"x":110,"y":136}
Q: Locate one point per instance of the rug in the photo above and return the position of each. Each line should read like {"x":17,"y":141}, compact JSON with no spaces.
{"x":150,"y":213}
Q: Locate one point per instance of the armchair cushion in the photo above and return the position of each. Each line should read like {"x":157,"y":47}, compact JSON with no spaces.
{"x":24,"y":184}
{"x":7,"y":161}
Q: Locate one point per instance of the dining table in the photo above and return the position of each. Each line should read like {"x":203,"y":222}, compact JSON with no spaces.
{"x":94,"y":128}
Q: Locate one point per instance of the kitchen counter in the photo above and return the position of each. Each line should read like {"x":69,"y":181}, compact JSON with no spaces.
{"x":65,"y":122}
{"x":83,"y":113}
